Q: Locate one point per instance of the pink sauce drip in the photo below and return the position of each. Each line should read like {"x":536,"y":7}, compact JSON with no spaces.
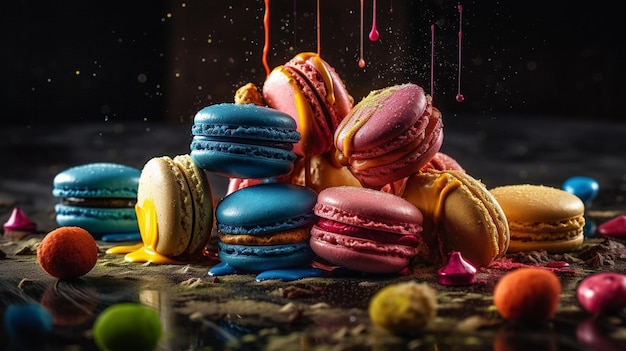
{"x":459,"y":96}
{"x":432,"y":60}
{"x":361,"y":60}
{"x":374,"y":32}
{"x":391,"y":7}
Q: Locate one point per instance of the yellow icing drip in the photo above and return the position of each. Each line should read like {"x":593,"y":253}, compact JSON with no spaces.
{"x":145,"y":251}
{"x":447,"y":185}
{"x":323,"y":70}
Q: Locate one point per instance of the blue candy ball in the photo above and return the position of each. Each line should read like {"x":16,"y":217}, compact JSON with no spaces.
{"x":585,"y":188}
{"x":27,"y":324}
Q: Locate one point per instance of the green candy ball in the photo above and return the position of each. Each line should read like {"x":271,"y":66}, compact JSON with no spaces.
{"x":127,"y":326}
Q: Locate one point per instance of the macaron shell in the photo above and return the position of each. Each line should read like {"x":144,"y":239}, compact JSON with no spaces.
{"x":261,"y":258}
{"x":369,"y":208}
{"x":245,"y":121}
{"x":265,"y":208}
{"x":460,"y":214}
{"x":163,"y":184}
{"x":359,"y":254}
{"x":97,"y":180}
{"x":97,"y":221}
{"x":360,"y":261}
{"x":381,"y":117}
{"x":540,"y":203}
{"x":202,"y":197}
{"x":376,"y":177}
{"x":238,"y":160}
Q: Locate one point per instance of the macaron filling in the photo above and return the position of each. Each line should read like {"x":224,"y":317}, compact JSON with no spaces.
{"x":375,"y":247}
{"x":99,"y":202}
{"x":367,"y":234}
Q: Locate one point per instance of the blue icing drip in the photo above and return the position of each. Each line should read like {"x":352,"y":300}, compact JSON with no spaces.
{"x":222,"y":268}
{"x":291,"y":274}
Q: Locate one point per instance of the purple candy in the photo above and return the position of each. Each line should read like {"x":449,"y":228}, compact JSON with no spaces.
{"x":457,"y":271}
{"x":602,"y":292}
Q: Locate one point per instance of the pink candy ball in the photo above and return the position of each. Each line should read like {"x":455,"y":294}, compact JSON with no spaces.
{"x":603,"y":292}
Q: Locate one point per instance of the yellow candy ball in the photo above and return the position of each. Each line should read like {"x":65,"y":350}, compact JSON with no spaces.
{"x":403,"y":308}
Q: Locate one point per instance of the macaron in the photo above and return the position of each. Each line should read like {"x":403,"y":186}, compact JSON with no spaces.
{"x":175,"y":212}
{"x":390,"y":134}
{"x":365,"y":230}
{"x":541,"y":217}
{"x":99,"y":197}
{"x":309,"y":90}
{"x":266,"y":226}
{"x":460,"y":214}
{"x":244,"y":141}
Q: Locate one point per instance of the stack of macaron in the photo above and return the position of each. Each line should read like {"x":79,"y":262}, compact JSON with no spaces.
{"x":100,"y":198}
{"x":266,"y":226}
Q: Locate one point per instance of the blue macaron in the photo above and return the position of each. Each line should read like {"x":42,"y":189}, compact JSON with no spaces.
{"x":244,"y":141}
{"x":266,"y":226}
{"x":99,"y":197}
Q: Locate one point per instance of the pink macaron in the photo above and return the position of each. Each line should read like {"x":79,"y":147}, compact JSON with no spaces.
{"x":309,"y":89}
{"x":365,"y":230}
{"x":391,"y":134}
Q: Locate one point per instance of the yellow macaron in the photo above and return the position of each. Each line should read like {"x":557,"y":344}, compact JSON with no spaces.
{"x":541,"y":217}
{"x":460,"y":214}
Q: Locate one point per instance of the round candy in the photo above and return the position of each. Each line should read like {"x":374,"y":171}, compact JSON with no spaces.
{"x":527,"y":295}
{"x":602,"y":292}
{"x":27,"y":324}
{"x":127,"y":326}
{"x":585,"y":188}
{"x":67,"y":252}
{"x":403,"y":308}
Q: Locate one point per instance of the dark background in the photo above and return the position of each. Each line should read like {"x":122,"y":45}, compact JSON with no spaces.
{"x":148,"y":60}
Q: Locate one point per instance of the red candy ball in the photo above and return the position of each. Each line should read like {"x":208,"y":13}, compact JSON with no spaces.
{"x":602,"y":292}
{"x":67,"y":252}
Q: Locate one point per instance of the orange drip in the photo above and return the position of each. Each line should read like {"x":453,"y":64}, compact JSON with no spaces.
{"x":266,"y":45}
{"x":323,"y":70}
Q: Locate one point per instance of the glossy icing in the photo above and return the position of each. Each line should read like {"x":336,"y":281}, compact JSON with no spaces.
{"x":97,"y":180}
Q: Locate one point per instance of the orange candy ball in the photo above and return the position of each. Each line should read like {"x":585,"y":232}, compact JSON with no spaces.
{"x":67,"y":252}
{"x":527,"y":295}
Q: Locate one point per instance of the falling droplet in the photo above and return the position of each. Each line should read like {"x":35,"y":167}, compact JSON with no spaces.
{"x":460,"y":97}
{"x":361,"y":60}
{"x":374,"y":32}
